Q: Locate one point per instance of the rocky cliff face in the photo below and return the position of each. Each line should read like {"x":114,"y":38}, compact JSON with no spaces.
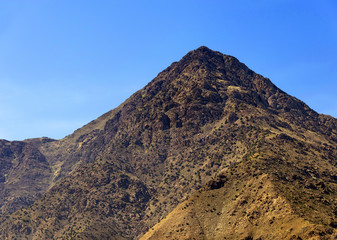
{"x":207,"y":125}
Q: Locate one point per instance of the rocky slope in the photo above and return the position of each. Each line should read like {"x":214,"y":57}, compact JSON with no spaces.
{"x":29,"y":168}
{"x":251,"y":162}
{"x":24,"y":174}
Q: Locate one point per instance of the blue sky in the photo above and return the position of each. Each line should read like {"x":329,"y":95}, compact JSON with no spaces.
{"x":64,"y":63}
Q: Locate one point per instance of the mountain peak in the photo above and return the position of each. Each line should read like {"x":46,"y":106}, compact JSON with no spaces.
{"x":203,"y":51}
{"x":204,"y":64}
{"x":218,"y":77}
{"x":210,"y":58}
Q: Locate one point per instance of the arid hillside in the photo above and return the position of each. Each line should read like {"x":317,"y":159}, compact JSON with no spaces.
{"x":207,"y":150}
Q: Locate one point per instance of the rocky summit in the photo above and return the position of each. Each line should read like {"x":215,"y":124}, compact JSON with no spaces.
{"x":207,"y":150}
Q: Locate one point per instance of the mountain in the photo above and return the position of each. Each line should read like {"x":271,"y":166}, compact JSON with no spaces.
{"x":207,"y":150}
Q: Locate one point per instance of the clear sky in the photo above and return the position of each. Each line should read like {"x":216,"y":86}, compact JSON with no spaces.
{"x":64,"y":63}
